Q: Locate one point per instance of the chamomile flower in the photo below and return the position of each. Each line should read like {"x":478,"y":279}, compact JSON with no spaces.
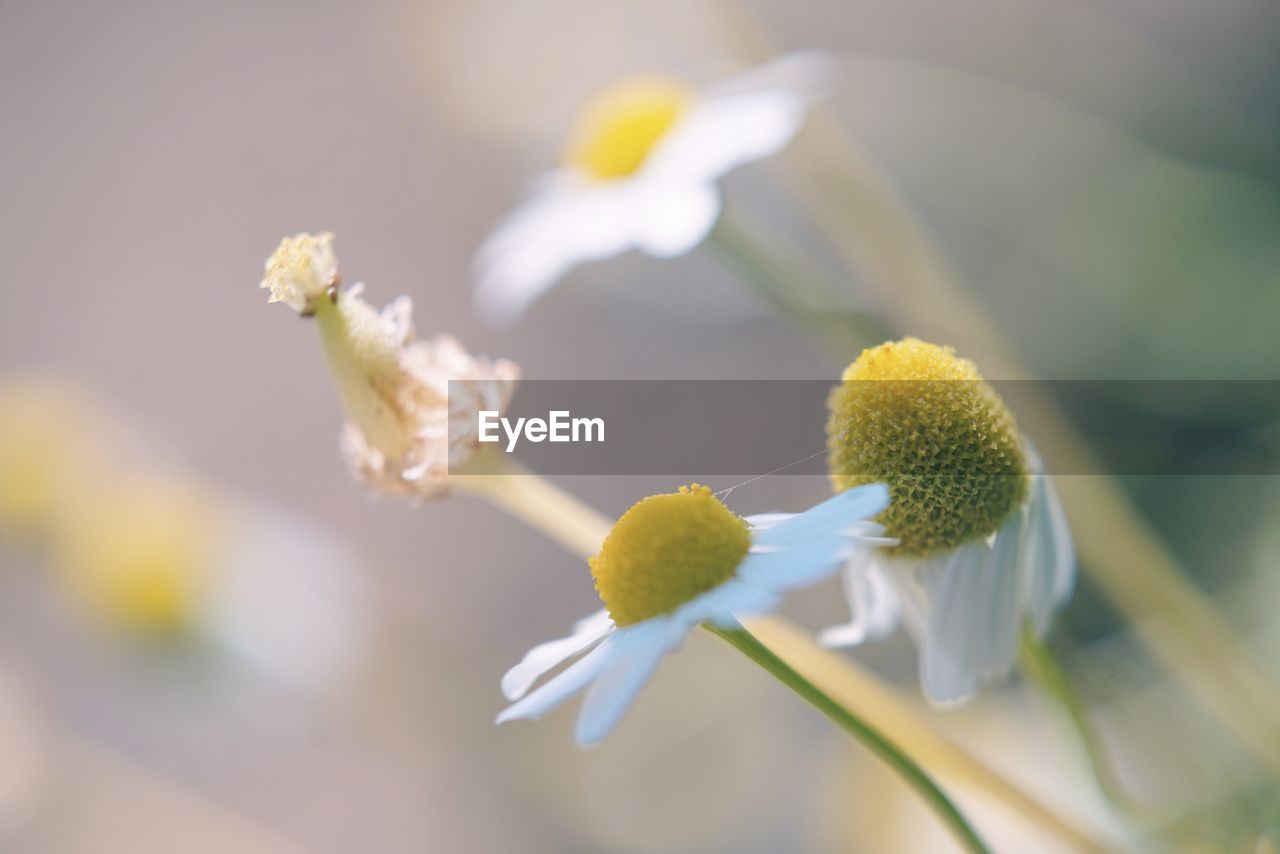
{"x":412,"y":406}
{"x":160,"y":556}
{"x":983,"y":544}
{"x":640,"y":172}
{"x":672,"y":562}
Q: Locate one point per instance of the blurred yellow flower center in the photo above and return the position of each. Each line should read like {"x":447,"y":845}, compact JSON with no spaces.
{"x":620,"y":127}
{"x":915,"y":416}
{"x":139,"y":555}
{"x":666,"y":550}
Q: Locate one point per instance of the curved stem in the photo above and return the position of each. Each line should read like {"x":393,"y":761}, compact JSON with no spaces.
{"x":871,"y":738}
{"x":500,"y":479}
{"x":789,"y":289}
{"x":1042,"y":668}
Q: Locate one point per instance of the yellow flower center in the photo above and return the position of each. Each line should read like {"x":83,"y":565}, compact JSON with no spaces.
{"x":915,"y":416}
{"x":666,"y":550}
{"x":618,"y":129}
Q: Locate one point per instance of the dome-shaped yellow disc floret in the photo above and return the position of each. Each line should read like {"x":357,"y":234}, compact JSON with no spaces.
{"x":620,"y":127}
{"x":666,"y":550}
{"x":917,"y":417}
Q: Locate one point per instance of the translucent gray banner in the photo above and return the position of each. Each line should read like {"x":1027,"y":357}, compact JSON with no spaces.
{"x":754,"y":427}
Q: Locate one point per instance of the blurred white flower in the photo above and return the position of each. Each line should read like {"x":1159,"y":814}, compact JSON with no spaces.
{"x":670,"y":563}
{"x":162,"y":557}
{"x":984,"y":548}
{"x":412,"y":406}
{"x":640,"y":172}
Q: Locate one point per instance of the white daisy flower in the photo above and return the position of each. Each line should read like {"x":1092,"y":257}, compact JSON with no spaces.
{"x":640,"y":173}
{"x":672,"y":562}
{"x":412,"y":406}
{"x":983,"y":544}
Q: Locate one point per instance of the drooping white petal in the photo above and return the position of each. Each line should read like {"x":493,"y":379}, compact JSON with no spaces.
{"x":974,"y":614}
{"x":1051,"y":553}
{"x":873,"y":606}
{"x":831,"y":516}
{"x":639,"y":648}
{"x":950,"y":655}
{"x":999,"y":618}
{"x":719,"y":134}
{"x":562,"y":686}
{"x":517,"y":681}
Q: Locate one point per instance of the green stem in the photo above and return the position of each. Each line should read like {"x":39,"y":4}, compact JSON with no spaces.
{"x":872,"y":739}
{"x":1042,"y":668}
{"x":792,"y":291}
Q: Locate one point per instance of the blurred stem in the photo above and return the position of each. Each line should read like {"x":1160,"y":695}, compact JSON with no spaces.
{"x":883,"y":706}
{"x":791,"y":290}
{"x":500,"y":479}
{"x":870,"y":737}
{"x":862,"y":216}
{"x":503,"y":481}
{"x":1042,"y":668}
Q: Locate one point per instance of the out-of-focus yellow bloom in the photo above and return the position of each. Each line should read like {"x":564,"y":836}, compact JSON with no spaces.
{"x":139,"y":552}
{"x":49,"y":447}
{"x":412,"y":406}
{"x":641,"y":171}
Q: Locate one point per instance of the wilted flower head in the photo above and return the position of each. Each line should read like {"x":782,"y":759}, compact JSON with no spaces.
{"x":301,"y":270}
{"x":412,"y":406}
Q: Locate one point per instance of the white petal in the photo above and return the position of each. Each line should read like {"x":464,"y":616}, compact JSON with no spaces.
{"x":573,"y":221}
{"x":670,"y":219}
{"x":725,"y":603}
{"x":563,"y":686}
{"x":999,"y":626}
{"x":1051,"y":557}
{"x":768,"y":520}
{"x":834,"y":515}
{"x":805,"y":73}
{"x":796,"y":566}
{"x":949,"y":663}
{"x":721,"y":133}
{"x":974,"y":613}
{"x":873,"y":606}
{"x":565,"y":224}
{"x":545,"y":656}
{"x":639,"y":649}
